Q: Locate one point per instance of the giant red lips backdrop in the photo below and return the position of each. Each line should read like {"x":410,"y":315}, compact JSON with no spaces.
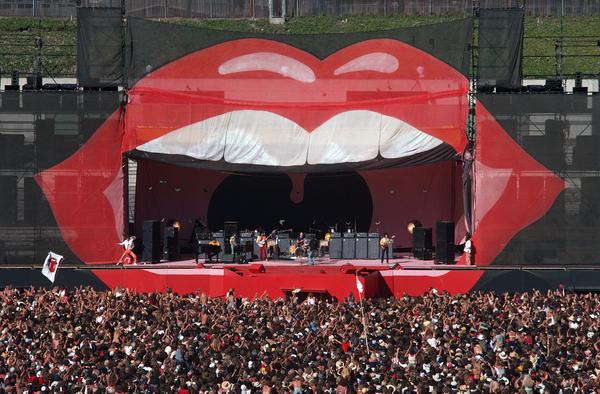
{"x":255,"y":105}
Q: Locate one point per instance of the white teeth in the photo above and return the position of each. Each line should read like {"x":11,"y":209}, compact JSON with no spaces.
{"x":265,"y":138}
{"x":399,"y":139}
{"x":348,"y":137}
{"x":203,"y":140}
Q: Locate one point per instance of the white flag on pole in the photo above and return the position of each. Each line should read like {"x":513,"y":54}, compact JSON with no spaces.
{"x":51,"y":265}
{"x":359,"y":286}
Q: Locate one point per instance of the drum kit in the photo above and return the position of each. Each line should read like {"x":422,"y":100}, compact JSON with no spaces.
{"x":295,"y":249}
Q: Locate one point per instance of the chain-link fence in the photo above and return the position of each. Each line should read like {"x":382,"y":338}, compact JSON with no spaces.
{"x":260,"y":8}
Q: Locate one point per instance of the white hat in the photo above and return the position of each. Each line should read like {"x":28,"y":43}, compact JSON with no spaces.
{"x":503,"y":355}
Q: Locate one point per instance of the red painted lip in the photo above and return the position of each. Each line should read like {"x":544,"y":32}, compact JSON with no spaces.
{"x":423,"y":91}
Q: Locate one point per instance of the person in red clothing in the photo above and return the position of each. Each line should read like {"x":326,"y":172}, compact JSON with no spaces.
{"x":261,"y":240}
{"x":128,"y":257}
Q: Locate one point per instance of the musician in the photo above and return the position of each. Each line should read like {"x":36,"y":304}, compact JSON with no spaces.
{"x":213,"y":250}
{"x":301,"y":245}
{"x":128,"y":257}
{"x":261,"y":240}
{"x":313,"y":249}
{"x":233,"y":244}
{"x":385,"y":243}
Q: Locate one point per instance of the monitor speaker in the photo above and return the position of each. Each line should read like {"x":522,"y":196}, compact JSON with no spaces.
{"x":152,"y":241}
{"x":348,"y":269}
{"x":257,"y":268}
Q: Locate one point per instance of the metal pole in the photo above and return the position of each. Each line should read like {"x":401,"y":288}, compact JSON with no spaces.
{"x":559,"y":54}
{"x":124,"y":77}
{"x":33,"y":8}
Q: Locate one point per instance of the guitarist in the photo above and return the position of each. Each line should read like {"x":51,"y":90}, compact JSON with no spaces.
{"x":385,"y":244}
{"x":261,"y":240}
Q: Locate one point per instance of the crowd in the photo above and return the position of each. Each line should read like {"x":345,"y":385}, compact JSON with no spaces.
{"x":123,"y":342}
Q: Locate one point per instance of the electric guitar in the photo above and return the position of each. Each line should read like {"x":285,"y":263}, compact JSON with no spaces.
{"x":263,"y":241}
{"x":384,"y":244}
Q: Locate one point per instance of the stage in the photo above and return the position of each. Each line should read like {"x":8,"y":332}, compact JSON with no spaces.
{"x":403,"y":275}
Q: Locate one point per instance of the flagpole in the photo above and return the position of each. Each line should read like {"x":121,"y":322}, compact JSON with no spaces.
{"x":362,"y":311}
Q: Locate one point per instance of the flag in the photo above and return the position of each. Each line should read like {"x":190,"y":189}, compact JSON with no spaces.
{"x":359,"y":286}
{"x":51,"y":265}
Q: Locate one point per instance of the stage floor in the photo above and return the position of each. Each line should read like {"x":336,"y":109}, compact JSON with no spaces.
{"x":406,"y":261}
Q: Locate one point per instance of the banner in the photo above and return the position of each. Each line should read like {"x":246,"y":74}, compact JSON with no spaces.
{"x":51,"y":265}
{"x":500,"y":54}
{"x":99,"y":47}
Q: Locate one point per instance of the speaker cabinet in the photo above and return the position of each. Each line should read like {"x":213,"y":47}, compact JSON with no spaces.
{"x":230,"y":228}
{"x":284,"y":244}
{"x":349,"y":246}
{"x":444,"y":253}
{"x":422,"y":254}
{"x":373,"y":250}
{"x":171,"y":250}
{"x":247,"y":244}
{"x":422,"y":243}
{"x":335,"y":246}
{"x":153,"y":248}
{"x":444,"y":231}
{"x":444,"y":244}
{"x":361,"y":246}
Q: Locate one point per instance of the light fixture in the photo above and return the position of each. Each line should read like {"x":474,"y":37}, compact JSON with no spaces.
{"x":410,"y":227}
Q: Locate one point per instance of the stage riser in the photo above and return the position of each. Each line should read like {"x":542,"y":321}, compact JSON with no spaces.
{"x":275,"y":280}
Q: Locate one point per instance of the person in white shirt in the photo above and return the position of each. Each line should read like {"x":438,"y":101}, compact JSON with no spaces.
{"x":469,"y":249}
{"x":128,"y":257}
{"x":233,"y":243}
